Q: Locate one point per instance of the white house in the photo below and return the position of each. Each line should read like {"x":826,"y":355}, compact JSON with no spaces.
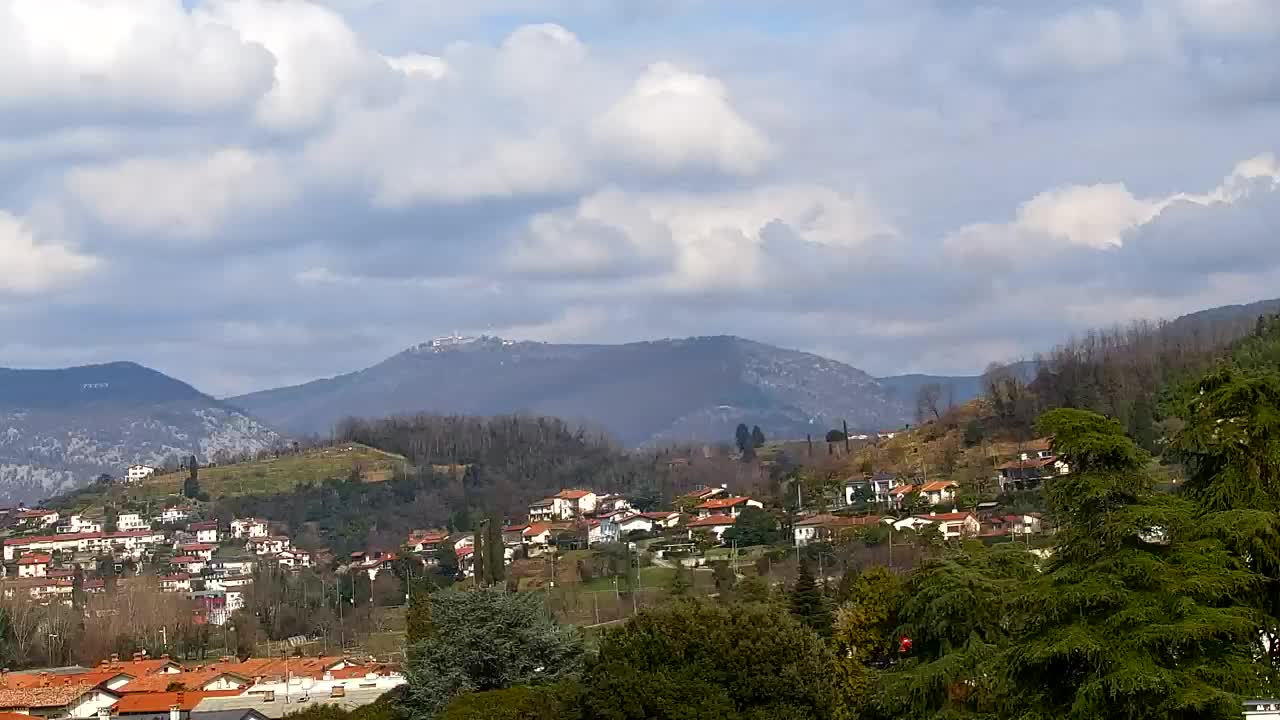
{"x":939,"y":491}
{"x":548,"y":510}
{"x":205,"y":531}
{"x":37,"y":518}
{"x":174,"y":515}
{"x":294,"y":559}
{"x":138,"y":473}
{"x":912,"y":523}
{"x":821,"y":528}
{"x":663,"y":518}
{"x":716,"y":525}
{"x":731,"y":506}
{"x":1262,"y":709}
{"x":248,"y":528}
{"x":954,"y":526}
{"x":631,"y":523}
{"x":63,"y":697}
{"x":79,"y":524}
{"x":204,"y":551}
{"x":34,"y":565}
{"x":270,"y":545}
{"x":612,"y":503}
{"x":131,"y":522}
{"x":177,"y":582}
{"x":579,"y":502}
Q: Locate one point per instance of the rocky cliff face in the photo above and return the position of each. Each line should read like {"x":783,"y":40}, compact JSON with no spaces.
{"x":61,"y":428}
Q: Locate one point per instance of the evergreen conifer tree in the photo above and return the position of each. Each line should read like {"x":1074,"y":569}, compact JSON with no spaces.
{"x":808,"y":603}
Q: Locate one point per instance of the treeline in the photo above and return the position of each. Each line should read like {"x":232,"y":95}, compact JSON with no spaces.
{"x":1132,"y":373}
{"x":460,"y":469}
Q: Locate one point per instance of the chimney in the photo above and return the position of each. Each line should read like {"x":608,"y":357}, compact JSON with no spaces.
{"x":115,"y":657}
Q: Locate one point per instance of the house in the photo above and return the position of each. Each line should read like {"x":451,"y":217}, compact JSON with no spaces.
{"x":1032,"y":467}
{"x":294,"y":559}
{"x":425,"y":541}
{"x":886,"y":434}
{"x":878,"y":488}
{"x":635,"y":523}
{"x":140,"y":665}
{"x":913,"y":523}
{"x":579,"y":502}
{"x":36,"y":518}
{"x":1017,"y":525}
{"x":34,"y":565}
{"x":547,"y":510}
{"x":956,"y":525}
{"x":210,"y":678}
{"x":612,"y":503}
{"x":204,"y":551}
{"x":174,"y":515}
{"x":78,"y":524}
{"x":663,"y":518}
{"x":1265,"y":709}
{"x":205,"y":531}
{"x":823,"y":528}
{"x":41,"y":590}
{"x":514,"y":534}
{"x":232,"y":566}
{"x":129,"y":543}
{"x":731,"y":506}
{"x":94,"y":586}
{"x":267,"y":545}
{"x":96,"y":677}
{"x":273,"y":704}
{"x":177,"y":582}
{"x":232,"y":714}
{"x":56,"y":697}
{"x":715,"y":525}
{"x":939,"y":491}
{"x":138,"y":473}
{"x":699,"y":496}
{"x":248,"y":528}
{"x":131,"y":522}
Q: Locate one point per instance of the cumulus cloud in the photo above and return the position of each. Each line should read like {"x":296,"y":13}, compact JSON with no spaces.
{"x":189,"y":196}
{"x":32,"y":264}
{"x":673,"y":119}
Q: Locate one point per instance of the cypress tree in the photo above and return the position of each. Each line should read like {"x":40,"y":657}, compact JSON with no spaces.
{"x":808,"y":604}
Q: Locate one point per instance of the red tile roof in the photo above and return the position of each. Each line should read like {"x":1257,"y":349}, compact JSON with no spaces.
{"x":717,"y":503}
{"x":938,"y":485}
{"x":947,"y":517}
{"x":35,"y":559}
{"x":205,"y":525}
{"x":138,"y":668}
{"x":160,"y":702}
{"x":713,"y":521}
{"x":190,"y":680}
{"x":574,"y":494}
{"x":54,"y":696}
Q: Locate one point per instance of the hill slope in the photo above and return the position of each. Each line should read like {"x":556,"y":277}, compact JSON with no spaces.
{"x":61,"y":428}
{"x":642,"y":393}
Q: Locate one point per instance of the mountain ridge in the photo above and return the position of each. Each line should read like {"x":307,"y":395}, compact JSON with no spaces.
{"x":643,"y":393}
{"x":59,"y":428}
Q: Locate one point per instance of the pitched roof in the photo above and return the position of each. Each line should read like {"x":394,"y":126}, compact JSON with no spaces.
{"x":938,"y":485}
{"x":903,"y":490}
{"x":839,"y":521}
{"x":717,"y":503}
{"x":53,"y":696}
{"x":574,"y":494}
{"x":275,"y":667}
{"x":91,"y":678}
{"x":35,"y":559}
{"x":712,"y":521}
{"x":190,"y":680}
{"x":160,"y":702}
{"x":947,"y":517}
{"x":138,"y":668}
{"x":203,"y":525}
{"x":659,"y":515}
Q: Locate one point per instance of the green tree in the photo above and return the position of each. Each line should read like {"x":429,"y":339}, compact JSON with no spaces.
{"x":808,"y":604}
{"x":863,"y":632}
{"x":681,"y":582}
{"x":725,"y":579}
{"x":446,"y":562}
{"x":700,"y":661}
{"x":1136,"y":616}
{"x":754,"y":589}
{"x":487,"y":640}
{"x":835,"y":436}
{"x":417,"y":617}
{"x":742,"y":438}
{"x":757,"y":437}
{"x":516,"y":703}
{"x":959,"y":615}
{"x":754,"y":526}
{"x":191,"y":486}
{"x":496,"y":557}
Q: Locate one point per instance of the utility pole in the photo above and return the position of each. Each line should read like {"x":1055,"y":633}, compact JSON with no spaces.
{"x":634,"y":608}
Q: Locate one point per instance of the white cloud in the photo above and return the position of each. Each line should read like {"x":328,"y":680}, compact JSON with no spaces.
{"x":1094,"y":38}
{"x":1231,"y":18}
{"x":539,"y":59}
{"x":189,"y":196}
{"x":696,"y":243}
{"x":147,"y":54}
{"x":429,"y":66}
{"x":672,"y":119}
{"x":1096,"y":216}
{"x":32,"y":266}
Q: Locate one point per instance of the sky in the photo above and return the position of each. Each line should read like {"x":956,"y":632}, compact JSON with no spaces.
{"x":250,"y":193}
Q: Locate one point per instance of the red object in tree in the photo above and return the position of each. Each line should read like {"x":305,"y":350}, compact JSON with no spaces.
{"x":904,"y":645}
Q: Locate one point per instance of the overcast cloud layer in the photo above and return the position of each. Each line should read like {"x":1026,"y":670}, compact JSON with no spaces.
{"x":247,"y":193}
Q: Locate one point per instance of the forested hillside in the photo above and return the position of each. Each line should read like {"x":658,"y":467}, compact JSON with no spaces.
{"x":458,"y":468}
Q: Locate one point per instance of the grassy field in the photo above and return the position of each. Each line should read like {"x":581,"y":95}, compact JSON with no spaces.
{"x":282,"y":474}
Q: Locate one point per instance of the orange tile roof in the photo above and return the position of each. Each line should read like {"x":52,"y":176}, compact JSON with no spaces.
{"x":717,"y":503}
{"x":902,"y":490}
{"x":947,"y":517}
{"x":160,"y":702}
{"x":25,"y":680}
{"x":574,"y":494}
{"x":54,"y":696}
{"x":713,"y":521}
{"x":938,"y":485}
{"x":840,"y":520}
{"x":138,"y":668}
{"x":190,"y":680}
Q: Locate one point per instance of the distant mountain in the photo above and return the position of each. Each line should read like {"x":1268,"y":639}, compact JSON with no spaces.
{"x":958,"y":389}
{"x":61,"y":428}
{"x":643,"y":393}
